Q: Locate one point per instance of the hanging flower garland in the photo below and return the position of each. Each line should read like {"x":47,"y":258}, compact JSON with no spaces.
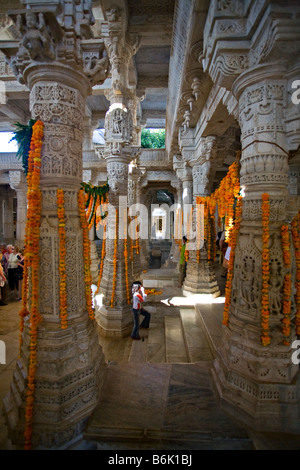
{"x":31,"y":260}
{"x":103,"y":253}
{"x":265,"y":312}
{"x":62,"y":258}
{"x":233,"y":243}
{"x":86,"y":254}
{"x":95,"y":196}
{"x":287,"y":284}
{"x":296,"y":243}
{"x":115,"y":260}
{"x":135,"y":247}
{"x":224,"y":197}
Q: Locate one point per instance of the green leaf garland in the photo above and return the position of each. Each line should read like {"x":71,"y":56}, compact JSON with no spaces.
{"x":23,"y":138}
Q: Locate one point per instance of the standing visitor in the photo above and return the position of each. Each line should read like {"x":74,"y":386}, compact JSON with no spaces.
{"x":139,"y":297}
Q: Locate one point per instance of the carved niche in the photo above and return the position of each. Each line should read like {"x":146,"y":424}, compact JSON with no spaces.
{"x":118,"y":125}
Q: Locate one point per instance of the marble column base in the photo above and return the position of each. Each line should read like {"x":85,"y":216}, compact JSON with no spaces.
{"x":200,"y":279}
{"x":70,"y":372}
{"x":245,"y":378}
{"x":114,"y":322}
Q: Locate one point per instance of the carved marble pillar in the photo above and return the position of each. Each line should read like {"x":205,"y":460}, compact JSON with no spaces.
{"x":187,"y":193}
{"x":70,"y":363}
{"x":8,"y":218}
{"x":133,"y":199}
{"x":200,"y":276}
{"x":19,"y":184}
{"x":115,"y":315}
{"x":294,"y":187}
{"x":261,"y":380}
{"x":176,"y":229}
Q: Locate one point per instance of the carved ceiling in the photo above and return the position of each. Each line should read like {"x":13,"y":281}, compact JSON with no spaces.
{"x":166,"y":70}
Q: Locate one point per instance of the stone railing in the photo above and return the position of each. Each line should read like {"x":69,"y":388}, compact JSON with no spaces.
{"x":9,"y":161}
{"x":150,"y":158}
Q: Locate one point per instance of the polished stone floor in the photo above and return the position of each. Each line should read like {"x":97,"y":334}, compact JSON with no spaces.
{"x":158,"y":393}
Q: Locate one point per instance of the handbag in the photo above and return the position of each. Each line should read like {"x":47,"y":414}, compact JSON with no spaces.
{"x":2,"y":283}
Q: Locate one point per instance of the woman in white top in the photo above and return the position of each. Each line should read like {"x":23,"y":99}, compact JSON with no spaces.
{"x":139,"y":296}
{"x":13,"y":261}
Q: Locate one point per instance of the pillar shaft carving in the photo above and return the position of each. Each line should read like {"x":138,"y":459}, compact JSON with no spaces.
{"x":262,"y":98}
{"x":18,"y":183}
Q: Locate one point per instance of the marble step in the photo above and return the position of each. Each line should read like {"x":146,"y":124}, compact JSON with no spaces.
{"x":162,"y":406}
{"x":197,"y":345}
{"x":176,"y":350}
{"x":211,"y":316}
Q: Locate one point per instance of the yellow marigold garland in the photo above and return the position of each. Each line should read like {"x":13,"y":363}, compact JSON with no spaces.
{"x":34,"y":197}
{"x":62,"y":258}
{"x":115,"y":260}
{"x":265,"y":312}
{"x":86,"y":253}
{"x":296,"y":243}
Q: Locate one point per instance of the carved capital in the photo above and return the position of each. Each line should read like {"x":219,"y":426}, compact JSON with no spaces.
{"x":17,"y":180}
{"x":49,"y":33}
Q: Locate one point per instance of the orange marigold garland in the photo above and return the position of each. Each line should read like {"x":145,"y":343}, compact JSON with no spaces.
{"x":287,"y":284}
{"x":31,"y":262}
{"x":62,"y":258}
{"x":233,"y":241}
{"x":86,"y":254}
{"x":115,"y":260}
{"x":296,"y":243}
{"x":265,"y":312}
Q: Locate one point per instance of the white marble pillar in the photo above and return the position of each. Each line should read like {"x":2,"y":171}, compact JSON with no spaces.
{"x":70,"y":362}
{"x":8,"y":218}
{"x":19,"y":184}
{"x":200,"y":275}
{"x":260,"y":377}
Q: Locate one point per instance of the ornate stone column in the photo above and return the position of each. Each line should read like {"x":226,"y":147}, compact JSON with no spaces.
{"x":19,"y":184}
{"x":133,"y":193}
{"x":259,"y":383}
{"x":200,"y":276}
{"x":262,"y":379}
{"x":70,"y":363}
{"x":115,"y":315}
{"x":8,"y":219}
{"x":175,"y":229}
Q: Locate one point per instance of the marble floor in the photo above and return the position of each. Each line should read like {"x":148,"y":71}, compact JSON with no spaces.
{"x":159,"y":392}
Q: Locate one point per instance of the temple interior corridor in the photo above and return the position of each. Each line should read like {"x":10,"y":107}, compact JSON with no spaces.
{"x":158,"y":393}
{"x":149,"y":133}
